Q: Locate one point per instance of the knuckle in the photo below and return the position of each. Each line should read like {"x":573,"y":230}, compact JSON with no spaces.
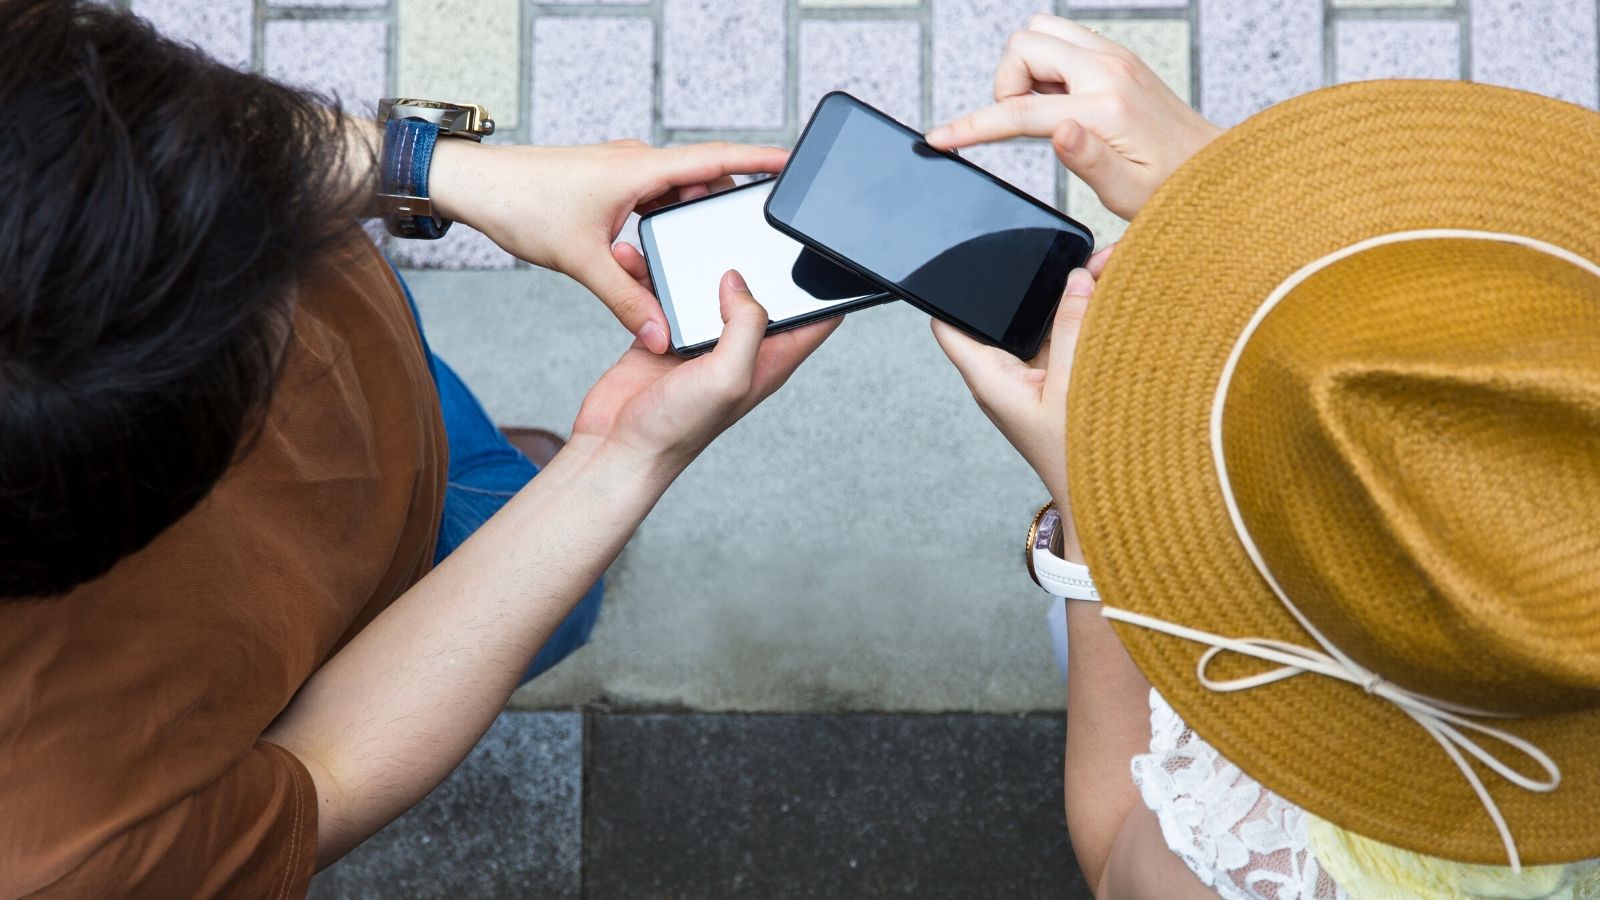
{"x":1017,"y":41}
{"x":1116,"y":106}
{"x":1119,"y":67}
{"x":1074,"y":309}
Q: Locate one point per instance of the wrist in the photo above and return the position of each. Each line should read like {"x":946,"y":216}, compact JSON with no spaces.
{"x":455,"y":178}
{"x":1071,"y":550}
{"x":617,"y":464}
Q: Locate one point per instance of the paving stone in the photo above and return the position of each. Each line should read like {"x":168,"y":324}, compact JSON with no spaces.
{"x":508,"y":823}
{"x":1370,"y":49}
{"x":593,"y":79}
{"x":1126,"y":4}
{"x":1254,"y":53}
{"x":724,"y":63}
{"x":221,"y":28}
{"x":1394,"y":4}
{"x":1164,"y":44}
{"x":465,"y":51}
{"x":880,"y":62}
{"x":968,"y":38}
{"x":342,"y":4}
{"x":859,"y":3}
{"x":345,"y":59}
{"x":460,"y":248}
{"x":1545,"y":46}
{"x":1030,"y":165}
{"x":827,"y":806}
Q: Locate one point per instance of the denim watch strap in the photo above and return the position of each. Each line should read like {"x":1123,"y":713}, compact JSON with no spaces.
{"x":407,"y":156}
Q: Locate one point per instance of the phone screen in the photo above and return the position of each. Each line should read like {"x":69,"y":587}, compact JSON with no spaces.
{"x":690,"y":246}
{"x":950,"y":237}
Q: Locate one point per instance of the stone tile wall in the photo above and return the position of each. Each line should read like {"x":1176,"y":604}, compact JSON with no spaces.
{"x":673,"y":71}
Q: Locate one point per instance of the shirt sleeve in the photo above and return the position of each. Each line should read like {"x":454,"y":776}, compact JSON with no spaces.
{"x":251,"y":833}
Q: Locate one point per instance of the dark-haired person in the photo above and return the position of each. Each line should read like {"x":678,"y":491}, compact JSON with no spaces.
{"x":228,"y":653}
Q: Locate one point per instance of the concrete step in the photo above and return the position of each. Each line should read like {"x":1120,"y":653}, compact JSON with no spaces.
{"x":607,"y":805}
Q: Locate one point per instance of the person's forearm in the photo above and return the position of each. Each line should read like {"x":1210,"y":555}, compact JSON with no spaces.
{"x":390,"y":715}
{"x":1108,"y":722}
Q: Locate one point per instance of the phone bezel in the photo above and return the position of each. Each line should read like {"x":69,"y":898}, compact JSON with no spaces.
{"x":802,"y":170}
{"x":652,"y":259}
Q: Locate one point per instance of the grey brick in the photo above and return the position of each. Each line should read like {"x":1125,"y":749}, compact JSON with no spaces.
{"x":221,"y":28}
{"x":593,"y":79}
{"x":1370,"y":49}
{"x":342,"y":4}
{"x":1127,"y":4}
{"x":1547,"y":47}
{"x":348,"y":60}
{"x":968,"y":37}
{"x":1254,"y":53}
{"x":1030,"y":165}
{"x":880,"y":62}
{"x":724,"y":63}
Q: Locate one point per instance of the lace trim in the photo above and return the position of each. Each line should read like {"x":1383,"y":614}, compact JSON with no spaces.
{"x":1241,"y":840}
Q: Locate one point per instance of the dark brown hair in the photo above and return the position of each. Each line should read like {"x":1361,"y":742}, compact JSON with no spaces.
{"x":158,"y":207}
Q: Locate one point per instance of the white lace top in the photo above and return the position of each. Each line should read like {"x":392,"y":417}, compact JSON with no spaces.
{"x":1245,"y":842}
{"x":1241,"y":840}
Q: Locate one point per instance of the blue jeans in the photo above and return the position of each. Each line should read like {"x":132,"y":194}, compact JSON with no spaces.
{"x":485,"y":472}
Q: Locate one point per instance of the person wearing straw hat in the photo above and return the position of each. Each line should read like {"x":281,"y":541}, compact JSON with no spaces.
{"x":1332,"y":458}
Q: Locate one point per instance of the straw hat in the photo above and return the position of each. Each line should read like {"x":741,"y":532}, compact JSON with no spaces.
{"x":1334,"y":444}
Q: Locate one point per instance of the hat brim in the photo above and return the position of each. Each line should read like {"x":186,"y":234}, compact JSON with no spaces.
{"x":1297,"y":182}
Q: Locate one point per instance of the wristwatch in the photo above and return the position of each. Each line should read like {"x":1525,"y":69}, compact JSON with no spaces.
{"x":1045,"y":565}
{"x":410,"y":130}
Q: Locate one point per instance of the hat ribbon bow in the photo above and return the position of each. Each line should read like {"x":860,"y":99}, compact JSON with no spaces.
{"x":1444,"y":722}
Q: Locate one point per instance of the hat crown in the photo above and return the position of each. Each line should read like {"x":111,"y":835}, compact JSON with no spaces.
{"x":1412,"y":437}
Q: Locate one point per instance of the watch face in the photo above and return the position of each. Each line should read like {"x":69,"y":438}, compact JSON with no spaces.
{"x":1048,"y":537}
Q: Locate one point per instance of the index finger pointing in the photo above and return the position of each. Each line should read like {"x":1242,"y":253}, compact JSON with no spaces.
{"x":1028,"y":115}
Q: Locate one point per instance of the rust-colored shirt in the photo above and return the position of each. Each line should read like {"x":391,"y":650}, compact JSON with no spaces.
{"x":130,"y":718}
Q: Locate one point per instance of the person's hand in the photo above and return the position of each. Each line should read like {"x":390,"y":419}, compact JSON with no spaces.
{"x":1027,"y":400}
{"x":659,"y":412}
{"x":1113,"y":122}
{"x":561,"y":207}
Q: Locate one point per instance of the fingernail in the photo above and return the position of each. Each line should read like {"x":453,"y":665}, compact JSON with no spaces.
{"x":651,"y":335}
{"x":942,"y":133}
{"x":1080,"y":283}
{"x":736,"y":281}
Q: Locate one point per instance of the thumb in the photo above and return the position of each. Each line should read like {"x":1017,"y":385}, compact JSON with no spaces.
{"x":631,"y":302}
{"x":744,"y":325}
{"x":1107,"y":172}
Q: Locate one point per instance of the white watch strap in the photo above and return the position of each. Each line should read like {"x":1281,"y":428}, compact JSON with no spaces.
{"x":1056,"y":575}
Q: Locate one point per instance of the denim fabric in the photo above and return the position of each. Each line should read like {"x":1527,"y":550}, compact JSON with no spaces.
{"x":485,"y":472}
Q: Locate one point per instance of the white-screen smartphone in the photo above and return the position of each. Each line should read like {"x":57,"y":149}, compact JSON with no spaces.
{"x":689,"y":246}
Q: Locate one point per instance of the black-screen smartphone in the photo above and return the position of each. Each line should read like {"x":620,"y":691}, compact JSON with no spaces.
{"x":689,"y":246}
{"x":945,"y":235}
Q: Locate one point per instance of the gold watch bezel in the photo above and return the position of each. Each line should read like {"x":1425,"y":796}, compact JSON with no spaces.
{"x":463,"y":120}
